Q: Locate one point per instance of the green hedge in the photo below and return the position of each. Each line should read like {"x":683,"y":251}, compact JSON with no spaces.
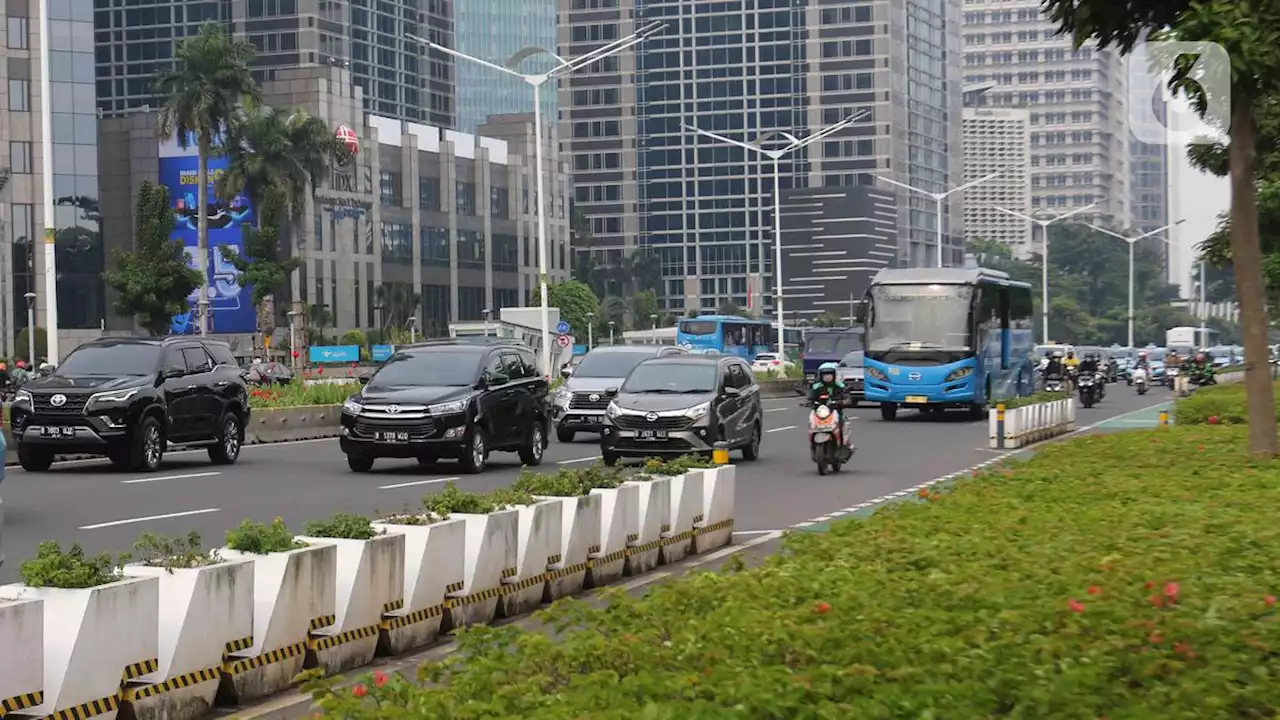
{"x":1032,"y":399}
{"x":1128,"y":575}
{"x":1228,"y":403}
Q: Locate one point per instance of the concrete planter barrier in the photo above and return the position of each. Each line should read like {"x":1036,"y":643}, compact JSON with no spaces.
{"x":779,"y":387}
{"x":369,"y":581}
{"x":686,"y":514}
{"x":205,"y":612}
{"x":537,"y":554}
{"x":307,"y":422}
{"x":293,"y":595}
{"x":653,"y":519}
{"x":716,"y":528}
{"x":95,"y":639}
{"x":1029,"y":424}
{"x":619,"y":526}
{"x":579,"y":540}
{"x":22,"y":657}
{"x":489,"y":557}
{"x":434,"y":566}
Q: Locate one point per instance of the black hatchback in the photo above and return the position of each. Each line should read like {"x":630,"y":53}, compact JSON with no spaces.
{"x":446,"y":399}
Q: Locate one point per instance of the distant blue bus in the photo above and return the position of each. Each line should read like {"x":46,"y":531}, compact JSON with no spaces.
{"x":726,"y":335}
{"x":947,"y":337}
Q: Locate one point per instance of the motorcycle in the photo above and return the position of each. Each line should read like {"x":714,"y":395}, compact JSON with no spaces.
{"x":1140,"y":380}
{"x":1053,"y":385}
{"x":826,"y":438}
{"x":1088,"y":390}
{"x":1203,"y":378}
{"x":1170,"y":374}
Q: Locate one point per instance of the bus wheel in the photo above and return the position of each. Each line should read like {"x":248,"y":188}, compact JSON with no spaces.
{"x":978,"y":411}
{"x":888,"y":411}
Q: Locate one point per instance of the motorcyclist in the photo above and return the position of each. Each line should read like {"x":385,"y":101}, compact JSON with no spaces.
{"x":1071,"y":361}
{"x":1142,"y":362}
{"x":829,"y":391}
{"x":1089,"y":365}
{"x":1054,"y":369}
{"x":1201,"y":367}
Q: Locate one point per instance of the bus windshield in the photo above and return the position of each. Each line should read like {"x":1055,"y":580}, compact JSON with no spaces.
{"x":699,"y":327}
{"x":832,"y":344}
{"x":919,"y":317}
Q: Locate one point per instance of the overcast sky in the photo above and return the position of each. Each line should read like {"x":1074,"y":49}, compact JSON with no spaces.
{"x":1199,"y":198}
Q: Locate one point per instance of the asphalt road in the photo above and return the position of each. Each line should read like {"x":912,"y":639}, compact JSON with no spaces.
{"x":103,"y":509}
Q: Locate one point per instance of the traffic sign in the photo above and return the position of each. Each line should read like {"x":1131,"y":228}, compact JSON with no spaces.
{"x":562,"y":328}
{"x":564,"y":341}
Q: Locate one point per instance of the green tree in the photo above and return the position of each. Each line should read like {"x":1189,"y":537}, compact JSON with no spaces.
{"x":209,"y":80}
{"x":318,"y":320}
{"x":398,"y":302}
{"x":612,"y":308}
{"x":42,"y":344}
{"x":643,"y":305}
{"x":153,"y":281}
{"x":1249,"y":32}
{"x":731,"y":308}
{"x":261,"y":265}
{"x":829,"y":319}
{"x":575,"y":300}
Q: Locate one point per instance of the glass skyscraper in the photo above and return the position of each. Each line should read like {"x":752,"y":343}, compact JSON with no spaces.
{"x":496,"y":30}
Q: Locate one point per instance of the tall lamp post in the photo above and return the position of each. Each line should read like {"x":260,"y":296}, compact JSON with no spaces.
{"x":591,"y":321}
{"x":1044,"y":256}
{"x":31,"y":328}
{"x":537,"y":80}
{"x":776,"y":155}
{"x":1133,"y":241}
{"x":938,"y":198}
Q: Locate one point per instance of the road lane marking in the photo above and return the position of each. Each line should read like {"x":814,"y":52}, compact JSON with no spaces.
{"x":776,"y":409}
{"x":417,"y":482}
{"x":149,"y":518}
{"x":784,"y":427}
{"x":578,"y":460}
{"x":168,"y":477}
{"x":755,"y":532}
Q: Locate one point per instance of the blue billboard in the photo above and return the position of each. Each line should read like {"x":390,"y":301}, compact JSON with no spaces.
{"x":334,"y":353}
{"x":230,"y":306}
{"x":381,"y":353}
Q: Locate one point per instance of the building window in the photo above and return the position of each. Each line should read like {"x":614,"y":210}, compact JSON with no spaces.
{"x":17,"y":31}
{"x":435,"y":246}
{"x":397,"y":241}
{"x":505,"y":254}
{"x":471,"y":249}
{"x":19,"y":95}
{"x":20,"y":157}
{"x":471,"y":304}
{"x":466,"y":198}
{"x":499,"y":203}
{"x":429,"y":194}
{"x":389,"y":187}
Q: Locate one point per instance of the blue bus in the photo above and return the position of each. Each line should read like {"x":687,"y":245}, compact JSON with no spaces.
{"x":822,"y":345}
{"x":727,"y":335}
{"x":947,"y":337}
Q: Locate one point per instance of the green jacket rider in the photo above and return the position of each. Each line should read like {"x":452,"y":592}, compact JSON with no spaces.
{"x":827,"y":384}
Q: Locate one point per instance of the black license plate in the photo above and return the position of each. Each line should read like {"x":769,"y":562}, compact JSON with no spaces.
{"x":391,"y":436}
{"x":651,"y":435}
{"x":57,"y":432}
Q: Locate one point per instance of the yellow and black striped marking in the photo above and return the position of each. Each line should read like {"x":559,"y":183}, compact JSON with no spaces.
{"x":20,"y":702}
{"x":637,"y":549}
{"x":592,"y":550}
{"x":392,"y":606}
{"x":138,"y":669}
{"x":633,"y":537}
{"x":677,"y":538}
{"x":713,"y":527}
{"x":271,"y":657}
{"x":509,"y":573}
{"x":697,"y":518}
{"x":323,"y":621}
{"x":84,"y":711}
{"x":174,"y":683}
{"x":324,"y":642}
{"x":413,"y":618}
{"x":236,"y":646}
{"x":553,"y":560}
{"x":666,"y":528}
{"x":452,"y":588}
{"x":473,"y":598}
{"x":605,"y":560}
{"x":524,"y":584}
{"x":568,"y":570}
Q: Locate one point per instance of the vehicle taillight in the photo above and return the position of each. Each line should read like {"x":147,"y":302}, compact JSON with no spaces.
{"x":777,"y":362}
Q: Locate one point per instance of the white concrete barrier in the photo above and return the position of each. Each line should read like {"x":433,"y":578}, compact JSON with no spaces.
{"x":653,"y":518}
{"x":434,"y":566}
{"x":686,"y":513}
{"x":205,"y":612}
{"x":579,"y":539}
{"x":619,"y":525}
{"x":538,"y":551}
{"x":490,"y":556}
{"x":1031,"y":423}
{"x":716,"y":528}
{"x":293,"y":595}
{"x":22,"y":657}
{"x":369,"y":580}
{"x":95,"y":639}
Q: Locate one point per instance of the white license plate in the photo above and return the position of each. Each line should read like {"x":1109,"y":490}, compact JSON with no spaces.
{"x":917,"y":399}
{"x":651,"y":435}
{"x":591,"y":419}
{"x":391,"y":436}
{"x":57,"y":432}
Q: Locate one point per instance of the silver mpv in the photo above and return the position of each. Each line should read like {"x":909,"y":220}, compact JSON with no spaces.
{"x":580,"y":403}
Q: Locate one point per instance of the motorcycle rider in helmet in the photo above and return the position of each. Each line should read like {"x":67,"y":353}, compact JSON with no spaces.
{"x":1054,"y":369}
{"x":1089,"y":365}
{"x":829,"y":391}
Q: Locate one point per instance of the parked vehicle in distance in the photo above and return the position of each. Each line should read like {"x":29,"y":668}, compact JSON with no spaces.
{"x":851,"y":371}
{"x":579,"y":404}
{"x":128,"y":399}
{"x":824,"y":345}
{"x":267,"y":373}
{"x":677,"y":405}
{"x":449,"y":399}
{"x":771,"y":362}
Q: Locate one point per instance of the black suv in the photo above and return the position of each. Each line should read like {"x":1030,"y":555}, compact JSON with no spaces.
{"x":128,"y":398}
{"x":449,"y":398}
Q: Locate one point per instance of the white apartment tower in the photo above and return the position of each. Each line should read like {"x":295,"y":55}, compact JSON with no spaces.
{"x":1075,"y":100}
{"x":997,"y":140}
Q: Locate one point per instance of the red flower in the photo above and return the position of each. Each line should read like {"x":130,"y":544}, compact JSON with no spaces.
{"x":1155,"y":638}
{"x":822,"y":608}
{"x":1213,"y":419}
{"x":1269,"y":600}
{"x":1171,"y":591}
{"x":1075,"y":605}
{"x":1095,"y":590}
{"x":379,"y":678}
{"x":1200,"y":448}
{"x":319,"y":371}
{"x":1184,"y":650}
{"x":1157,"y":601}
{"x":295,"y":354}
{"x":359,"y":690}
{"x":1149,"y":584}
{"x":354,"y":365}
{"x":924,"y":493}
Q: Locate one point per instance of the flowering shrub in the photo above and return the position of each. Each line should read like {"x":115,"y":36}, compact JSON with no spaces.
{"x":1228,"y":403}
{"x":296,"y":394}
{"x":1125,"y":575}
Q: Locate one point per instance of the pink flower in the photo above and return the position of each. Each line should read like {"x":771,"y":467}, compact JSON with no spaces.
{"x":1095,"y":590}
{"x":359,"y":690}
{"x":1269,"y":600}
{"x":379,"y":678}
{"x":1171,"y":591}
{"x":1075,"y":606}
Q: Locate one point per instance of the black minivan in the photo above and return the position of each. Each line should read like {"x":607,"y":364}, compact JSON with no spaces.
{"x":449,"y":399}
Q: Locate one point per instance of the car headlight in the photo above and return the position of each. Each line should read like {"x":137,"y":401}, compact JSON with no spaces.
{"x":613,"y":410}
{"x":447,"y":408}
{"x":562,"y":397}
{"x":697,"y":412}
{"x":875,"y":373}
{"x":352,"y":407}
{"x":959,"y":373}
{"x":22,"y":396}
{"x":112,"y":396}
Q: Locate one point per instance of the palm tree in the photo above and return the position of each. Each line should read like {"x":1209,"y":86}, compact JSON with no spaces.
{"x":209,"y":81}
{"x":398,"y":303}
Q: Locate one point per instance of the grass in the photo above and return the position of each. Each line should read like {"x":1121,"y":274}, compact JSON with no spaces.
{"x":1218,"y":404}
{"x":1130,"y":575}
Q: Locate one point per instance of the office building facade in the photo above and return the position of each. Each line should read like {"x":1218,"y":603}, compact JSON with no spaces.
{"x":998,"y":140}
{"x":498,"y":31}
{"x":134,"y":42}
{"x":77,"y":213}
{"x":750,"y":69}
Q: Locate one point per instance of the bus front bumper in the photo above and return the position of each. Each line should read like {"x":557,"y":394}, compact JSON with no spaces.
{"x":949,"y":394}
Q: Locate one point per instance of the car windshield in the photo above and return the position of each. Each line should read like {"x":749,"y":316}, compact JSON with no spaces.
{"x":919,"y":317}
{"x":671,"y":378}
{"x":609,"y":364}
{"x":852,"y":360}
{"x":404,"y":369}
{"x":111,"y":360}
{"x":832,"y":344}
{"x":1155,"y":355}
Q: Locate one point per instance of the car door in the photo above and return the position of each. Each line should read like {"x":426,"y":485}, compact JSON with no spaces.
{"x":496,"y":401}
{"x":538,"y":388}
{"x":179,"y":399}
{"x":723,"y":403}
{"x":200,"y":382}
{"x":522,"y":392}
{"x":736,"y":404}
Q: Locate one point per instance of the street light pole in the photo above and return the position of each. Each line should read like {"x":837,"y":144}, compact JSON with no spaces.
{"x":793,"y":144}
{"x":31,"y":328}
{"x":1133,"y":241}
{"x":1044,"y":256}
{"x":938,"y":199}
{"x":591,"y":321}
{"x":537,"y":80}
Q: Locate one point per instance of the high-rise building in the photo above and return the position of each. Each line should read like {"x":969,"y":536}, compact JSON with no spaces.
{"x":750,"y":69}
{"x":134,"y":42}
{"x":998,"y":140}
{"x":1076,"y":100}
{"x":73,"y":123}
{"x":499,"y":31}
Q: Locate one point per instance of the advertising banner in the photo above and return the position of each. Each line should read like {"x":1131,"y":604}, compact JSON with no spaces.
{"x":231,"y":306}
{"x":381,"y":353}
{"x":335,"y":353}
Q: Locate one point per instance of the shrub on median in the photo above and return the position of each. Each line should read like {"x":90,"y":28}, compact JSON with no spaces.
{"x":567,"y":482}
{"x":1228,"y":403}
{"x":345,"y":526}
{"x":70,"y":570}
{"x":1126,"y":575}
{"x":297,"y":394}
{"x":1032,"y":399}
{"x":173,"y":553}
{"x":261,"y":539}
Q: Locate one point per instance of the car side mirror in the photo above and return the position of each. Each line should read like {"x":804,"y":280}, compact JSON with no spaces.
{"x":732,"y":391}
{"x":860,"y":313}
{"x":565,"y":372}
{"x":364,"y":379}
{"x":174,"y":373}
{"x":496,"y":380}
{"x":611,"y":392}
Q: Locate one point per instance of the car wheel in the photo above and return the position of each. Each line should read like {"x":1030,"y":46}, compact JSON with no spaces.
{"x":360,"y":463}
{"x":752,"y":449}
{"x":531,"y":453}
{"x":888,"y":411}
{"x":148,"y":446}
{"x":473,"y":455}
{"x":565,"y":436}
{"x":34,"y":459}
{"x":610,"y":459}
{"x":227,"y":449}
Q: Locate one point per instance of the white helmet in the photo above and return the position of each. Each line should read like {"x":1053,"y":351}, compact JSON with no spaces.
{"x":1057,"y":354}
